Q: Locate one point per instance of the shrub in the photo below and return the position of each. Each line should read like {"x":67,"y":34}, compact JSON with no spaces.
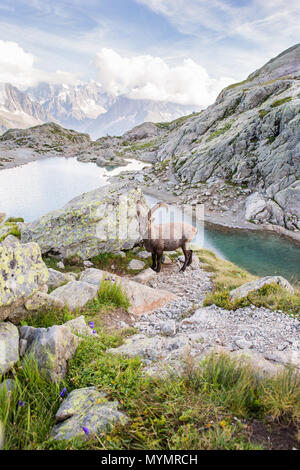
{"x":280,"y":102}
{"x":111,"y":293}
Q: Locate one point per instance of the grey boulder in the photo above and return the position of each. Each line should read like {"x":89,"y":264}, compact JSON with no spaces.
{"x":86,"y":412}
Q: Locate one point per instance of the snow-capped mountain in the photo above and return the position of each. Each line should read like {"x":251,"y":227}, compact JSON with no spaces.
{"x":85,"y":107}
{"x":18,"y":110}
{"x":126,"y":113}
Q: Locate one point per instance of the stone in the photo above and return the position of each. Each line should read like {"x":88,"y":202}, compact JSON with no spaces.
{"x":201,"y":315}
{"x":167,"y":260}
{"x":75,"y":294}
{"x":253,"y":286}
{"x":86,"y":412}
{"x":103,"y":220}
{"x":254,"y":204}
{"x":8,"y":386}
{"x":9,"y":346}
{"x":140,"y":345}
{"x":145,"y":276}
{"x":168,"y":328}
{"x":56,"y":279}
{"x":88,"y":264}
{"x":143,"y":254}
{"x":41,"y":300}
{"x":136,"y":265}
{"x":78,"y":327}
{"x":60,"y":265}
{"x":120,"y":253}
{"x":143,"y":299}
{"x":22,"y":273}
{"x":22,"y":347}
{"x":51,"y":348}
{"x":243,"y":344}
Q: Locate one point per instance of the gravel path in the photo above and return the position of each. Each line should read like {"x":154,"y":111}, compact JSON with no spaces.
{"x":165,"y":335}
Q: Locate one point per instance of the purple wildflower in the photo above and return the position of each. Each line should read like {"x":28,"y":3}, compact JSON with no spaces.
{"x":95,"y":332}
{"x":92,"y":324}
{"x":21,"y":403}
{"x":86,"y":431}
{"x":63,"y":392}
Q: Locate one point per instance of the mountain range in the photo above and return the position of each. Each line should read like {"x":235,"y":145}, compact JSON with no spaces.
{"x":84,"y":107}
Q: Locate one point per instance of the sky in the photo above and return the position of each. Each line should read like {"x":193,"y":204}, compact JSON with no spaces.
{"x":184,"y":51}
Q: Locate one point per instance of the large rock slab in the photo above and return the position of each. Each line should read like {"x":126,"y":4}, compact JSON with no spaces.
{"x":86,"y":412}
{"x":22,"y":273}
{"x":152,"y":348}
{"x":41,"y":300}
{"x":75,"y":294}
{"x":143,"y":299}
{"x":51,"y":348}
{"x":103,"y":220}
{"x":9,"y":346}
{"x":254,"y":204}
{"x":253,"y":286}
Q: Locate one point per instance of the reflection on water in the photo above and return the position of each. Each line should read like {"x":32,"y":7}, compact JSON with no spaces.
{"x":32,"y":190}
{"x":261,"y":254}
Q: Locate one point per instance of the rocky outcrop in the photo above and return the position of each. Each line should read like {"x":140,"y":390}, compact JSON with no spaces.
{"x":9,"y":346}
{"x":86,"y":413}
{"x":22,"y":274}
{"x":250,"y":136}
{"x":143,"y":299}
{"x":57,"y":279}
{"x":254,"y":286}
{"x":50,"y":347}
{"x":75,"y":294}
{"x":43,"y":301}
{"x":249,"y":139}
{"x":103,"y":220}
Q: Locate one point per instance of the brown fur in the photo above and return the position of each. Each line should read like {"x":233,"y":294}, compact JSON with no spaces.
{"x":167,"y":237}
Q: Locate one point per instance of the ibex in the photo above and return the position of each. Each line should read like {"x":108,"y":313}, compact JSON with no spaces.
{"x":158,"y":238}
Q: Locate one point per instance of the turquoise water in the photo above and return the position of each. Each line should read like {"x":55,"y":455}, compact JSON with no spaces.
{"x":259,"y":253}
{"x":32,"y":190}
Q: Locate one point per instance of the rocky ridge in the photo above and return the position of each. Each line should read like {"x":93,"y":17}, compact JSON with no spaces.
{"x":246,"y":144}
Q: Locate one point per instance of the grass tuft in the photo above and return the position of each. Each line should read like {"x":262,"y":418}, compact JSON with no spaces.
{"x":227,"y":276}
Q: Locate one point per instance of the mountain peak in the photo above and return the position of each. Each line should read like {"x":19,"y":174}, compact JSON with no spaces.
{"x":287,"y":63}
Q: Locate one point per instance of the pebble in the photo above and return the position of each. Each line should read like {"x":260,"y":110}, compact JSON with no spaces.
{"x":252,"y":328}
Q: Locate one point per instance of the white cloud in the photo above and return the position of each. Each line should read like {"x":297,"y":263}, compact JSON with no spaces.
{"x":18,"y":68}
{"x":148,"y":77}
{"x":239,"y":36}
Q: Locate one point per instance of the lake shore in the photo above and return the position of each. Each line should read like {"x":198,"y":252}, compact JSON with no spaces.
{"x":227,"y":222}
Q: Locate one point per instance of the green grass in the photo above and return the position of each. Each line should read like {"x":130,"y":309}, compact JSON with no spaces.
{"x":280,"y":102}
{"x":111,"y":294}
{"x":227,"y":276}
{"x":262,"y":113}
{"x":14,"y":219}
{"x":235,"y":85}
{"x":208,"y":407}
{"x":48,"y":318}
{"x":106,"y":260}
{"x":12,"y":230}
{"x":177,"y":122}
{"x":219,"y":132}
